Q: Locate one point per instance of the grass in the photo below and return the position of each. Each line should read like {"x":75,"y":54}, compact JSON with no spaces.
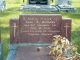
{"x":13,"y":12}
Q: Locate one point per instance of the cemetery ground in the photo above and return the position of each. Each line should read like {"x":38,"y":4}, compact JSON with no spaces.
{"x":13,"y":12}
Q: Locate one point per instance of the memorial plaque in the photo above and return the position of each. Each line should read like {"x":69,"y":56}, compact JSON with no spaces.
{"x":66,"y":28}
{"x":39,"y":28}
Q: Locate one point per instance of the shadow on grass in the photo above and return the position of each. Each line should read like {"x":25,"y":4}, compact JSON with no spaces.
{"x":4,"y":13}
{"x":13,"y":9}
{"x":5,"y":35}
{"x":9,"y":11}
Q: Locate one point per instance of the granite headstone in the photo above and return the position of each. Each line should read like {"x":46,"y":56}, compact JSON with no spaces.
{"x":39,"y":28}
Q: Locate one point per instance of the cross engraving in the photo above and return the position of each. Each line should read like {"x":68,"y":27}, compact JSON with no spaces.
{"x":66,"y":26}
{"x":14,"y":28}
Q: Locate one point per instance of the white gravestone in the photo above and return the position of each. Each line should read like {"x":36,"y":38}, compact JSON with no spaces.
{"x":65,"y":5}
{"x":2,"y":5}
{"x":63,"y":2}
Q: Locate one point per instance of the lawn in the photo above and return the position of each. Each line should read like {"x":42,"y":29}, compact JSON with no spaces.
{"x":13,"y":12}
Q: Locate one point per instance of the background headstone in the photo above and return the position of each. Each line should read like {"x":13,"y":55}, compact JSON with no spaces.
{"x":65,"y":6}
{"x":63,"y":2}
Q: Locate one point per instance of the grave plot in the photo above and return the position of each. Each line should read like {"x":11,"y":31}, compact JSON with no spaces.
{"x":36,"y":31}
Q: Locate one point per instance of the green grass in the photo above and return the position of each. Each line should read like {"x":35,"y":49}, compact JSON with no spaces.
{"x":13,"y":12}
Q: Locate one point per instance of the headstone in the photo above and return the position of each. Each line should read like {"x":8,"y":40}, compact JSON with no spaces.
{"x":32,"y":29}
{"x":65,"y":5}
{"x":63,"y":2}
{"x":36,"y":28}
{"x":38,"y":6}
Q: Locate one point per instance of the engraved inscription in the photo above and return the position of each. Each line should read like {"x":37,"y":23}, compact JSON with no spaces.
{"x":39,"y":26}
